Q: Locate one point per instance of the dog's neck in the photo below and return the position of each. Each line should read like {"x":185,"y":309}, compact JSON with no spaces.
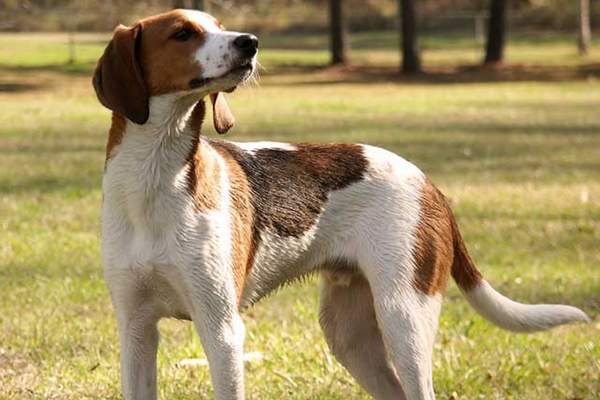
{"x":171,"y":116}
{"x":155,"y":152}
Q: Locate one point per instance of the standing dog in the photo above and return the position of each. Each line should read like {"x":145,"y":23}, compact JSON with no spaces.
{"x":198,"y":229}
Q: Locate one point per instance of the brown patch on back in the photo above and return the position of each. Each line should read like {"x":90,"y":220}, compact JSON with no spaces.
{"x":439,"y":248}
{"x":290,"y":187}
{"x":434,"y":249}
{"x":115,"y":135}
{"x":284,"y":191}
{"x":240,"y":208}
{"x":242,"y":214}
{"x":197,"y":117}
{"x":465,"y":273}
{"x":204,"y":173}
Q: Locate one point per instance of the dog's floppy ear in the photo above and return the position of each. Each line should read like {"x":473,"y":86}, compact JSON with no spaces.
{"x":223,"y":119}
{"x":118,"y":79}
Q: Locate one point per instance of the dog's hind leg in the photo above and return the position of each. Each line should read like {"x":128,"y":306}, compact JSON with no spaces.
{"x":347,"y":318}
{"x":408,"y":322}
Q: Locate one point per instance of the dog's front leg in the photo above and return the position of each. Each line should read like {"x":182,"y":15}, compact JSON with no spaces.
{"x":223,"y":344}
{"x":138,"y":334}
{"x":221,"y":332}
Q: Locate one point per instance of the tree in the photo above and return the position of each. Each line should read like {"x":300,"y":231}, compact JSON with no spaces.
{"x":411,"y":61}
{"x":338,"y":32}
{"x":198,"y":4}
{"x":585,"y":32}
{"x":494,"y":49}
{"x":192,"y":4}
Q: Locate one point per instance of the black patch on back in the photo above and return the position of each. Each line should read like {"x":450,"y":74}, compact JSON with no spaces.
{"x":290,"y":187}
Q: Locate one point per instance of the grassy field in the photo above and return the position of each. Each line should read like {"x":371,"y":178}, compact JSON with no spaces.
{"x":517,"y":150}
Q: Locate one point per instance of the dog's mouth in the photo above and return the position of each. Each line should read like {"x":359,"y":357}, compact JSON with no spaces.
{"x":236,"y":75}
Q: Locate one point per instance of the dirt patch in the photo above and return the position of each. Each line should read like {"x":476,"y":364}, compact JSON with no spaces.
{"x":17,"y":375}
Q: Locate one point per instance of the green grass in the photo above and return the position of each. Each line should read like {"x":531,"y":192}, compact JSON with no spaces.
{"x":520,"y":162}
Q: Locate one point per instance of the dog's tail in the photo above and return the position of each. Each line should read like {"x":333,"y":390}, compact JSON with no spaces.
{"x":501,"y":310}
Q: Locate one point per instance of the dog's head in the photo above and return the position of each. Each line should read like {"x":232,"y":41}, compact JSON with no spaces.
{"x":182,"y":51}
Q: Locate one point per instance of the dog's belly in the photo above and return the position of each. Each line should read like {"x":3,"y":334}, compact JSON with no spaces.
{"x":332,"y":238}
{"x":279,"y":260}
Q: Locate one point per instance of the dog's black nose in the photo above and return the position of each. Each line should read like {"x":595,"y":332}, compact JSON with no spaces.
{"x":248,"y":44}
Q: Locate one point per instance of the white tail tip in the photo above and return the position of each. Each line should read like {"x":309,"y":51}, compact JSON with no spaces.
{"x":518,"y":317}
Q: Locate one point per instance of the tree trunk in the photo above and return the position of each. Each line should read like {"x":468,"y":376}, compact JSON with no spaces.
{"x":585,"y":32}
{"x":198,"y":4}
{"x":338,"y":34}
{"x":411,"y":61}
{"x":179,"y":4}
{"x":494,"y":50}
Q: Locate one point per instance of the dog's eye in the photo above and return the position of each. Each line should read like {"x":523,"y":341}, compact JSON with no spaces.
{"x":183,"y":34}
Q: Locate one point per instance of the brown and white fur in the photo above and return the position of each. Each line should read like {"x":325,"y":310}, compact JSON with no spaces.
{"x":198,"y":229}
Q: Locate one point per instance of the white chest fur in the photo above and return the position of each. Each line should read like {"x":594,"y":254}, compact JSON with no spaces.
{"x":149,"y":221}
{"x":144,"y":197}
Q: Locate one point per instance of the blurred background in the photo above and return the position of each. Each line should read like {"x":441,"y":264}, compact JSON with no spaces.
{"x":497,"y":101}
{"x":475,"y":25}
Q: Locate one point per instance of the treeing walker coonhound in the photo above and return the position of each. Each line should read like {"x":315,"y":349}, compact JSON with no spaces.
{"x":199,"y":229}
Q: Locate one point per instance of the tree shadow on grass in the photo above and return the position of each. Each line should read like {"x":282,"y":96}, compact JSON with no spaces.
{"x":75,"y":69}
{"x":18,"y":87}
{"x":45,"y":150}
{"x":52,"y":184}
{"x":315,"y":73}
{"x":397,"y":128}
{"x":461,"y":74}
{"x":17,"y":79}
